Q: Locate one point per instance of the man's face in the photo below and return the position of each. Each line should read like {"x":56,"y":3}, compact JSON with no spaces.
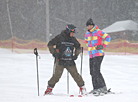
{"x":89,"y":27}
{"x":71,"y":34}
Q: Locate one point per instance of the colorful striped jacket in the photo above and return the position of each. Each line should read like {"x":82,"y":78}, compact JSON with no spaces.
{"x":96,"y":37}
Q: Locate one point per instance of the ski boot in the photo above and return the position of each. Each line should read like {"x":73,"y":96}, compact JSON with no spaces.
{"x":96,"y":92}
{"x":100,"y":91}
{"x":83,"y":90}
{"x":48,"y":91}
{"x":92,"y":91}
{"x":104,"y":90}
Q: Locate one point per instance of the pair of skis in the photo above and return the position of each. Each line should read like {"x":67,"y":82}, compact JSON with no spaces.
{"x":88,"y":95}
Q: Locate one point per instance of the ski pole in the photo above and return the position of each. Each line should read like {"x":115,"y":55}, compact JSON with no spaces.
{"x":36,"y":53}
{"x":67,"y":82}
{"x":54,"y":63}
{"x":54,"y":66}
{"x":81,"y":60}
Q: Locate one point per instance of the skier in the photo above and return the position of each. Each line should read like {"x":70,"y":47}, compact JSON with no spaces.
{"x":96,"y":41}
{"x":65,"y":44}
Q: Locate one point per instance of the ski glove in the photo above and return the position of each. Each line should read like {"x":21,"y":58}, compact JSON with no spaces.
{"x":74,"y":57}
{"x":99,"y":47}
{"x":55,"y":54}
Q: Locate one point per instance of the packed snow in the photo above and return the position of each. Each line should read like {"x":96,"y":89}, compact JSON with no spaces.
{"x":18,"y":78}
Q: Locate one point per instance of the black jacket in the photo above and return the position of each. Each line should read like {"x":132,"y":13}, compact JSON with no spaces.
{"x":64,"y":48}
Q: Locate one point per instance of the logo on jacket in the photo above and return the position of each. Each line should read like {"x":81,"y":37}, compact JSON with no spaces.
{"x":68,"y":52}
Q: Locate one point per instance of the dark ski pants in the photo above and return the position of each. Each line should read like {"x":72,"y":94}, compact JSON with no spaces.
{"x":97,"y":78}
{"x":58,"y":73}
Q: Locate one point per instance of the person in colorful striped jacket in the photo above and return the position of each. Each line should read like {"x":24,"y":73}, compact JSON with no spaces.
{"x":96,"y":41}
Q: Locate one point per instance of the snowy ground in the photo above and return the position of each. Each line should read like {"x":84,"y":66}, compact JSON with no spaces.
{"x":18,"y":79}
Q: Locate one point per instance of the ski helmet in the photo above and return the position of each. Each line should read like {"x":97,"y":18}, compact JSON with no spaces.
{"x":71,"y":28}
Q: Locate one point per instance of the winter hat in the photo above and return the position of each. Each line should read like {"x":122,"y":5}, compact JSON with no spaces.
{"x":89,"y":22}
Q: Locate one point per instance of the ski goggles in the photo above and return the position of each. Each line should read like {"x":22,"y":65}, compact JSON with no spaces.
{"x":75,"y":30}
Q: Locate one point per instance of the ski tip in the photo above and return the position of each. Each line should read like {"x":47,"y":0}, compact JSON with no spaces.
{"x":79,"y":95}
{"x":71,"y":95}
{"x":109,"y":90}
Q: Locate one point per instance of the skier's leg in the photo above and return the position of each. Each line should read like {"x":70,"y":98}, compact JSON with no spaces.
{"x":100,"y":79}
{"x":55,"y":78}
{"x":91,"y":64}
{"x":97,"y":78}
{"x":78,"y":78}
{"x":57,"y":75}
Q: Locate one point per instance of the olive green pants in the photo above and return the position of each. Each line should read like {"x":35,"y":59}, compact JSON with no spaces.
{"x":58,"y":72}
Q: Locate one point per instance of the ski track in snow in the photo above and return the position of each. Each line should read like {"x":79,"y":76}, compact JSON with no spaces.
{"x":18,"y":81}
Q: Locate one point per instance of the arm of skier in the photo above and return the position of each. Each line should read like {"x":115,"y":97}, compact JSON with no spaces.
{"x":86,"y":39}
{"x":51,"y":44}
{"x":77,"y":48}
{"x":106,"y":38}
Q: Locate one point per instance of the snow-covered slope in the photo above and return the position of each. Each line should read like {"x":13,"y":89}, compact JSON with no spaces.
{"x":18,"y":79}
